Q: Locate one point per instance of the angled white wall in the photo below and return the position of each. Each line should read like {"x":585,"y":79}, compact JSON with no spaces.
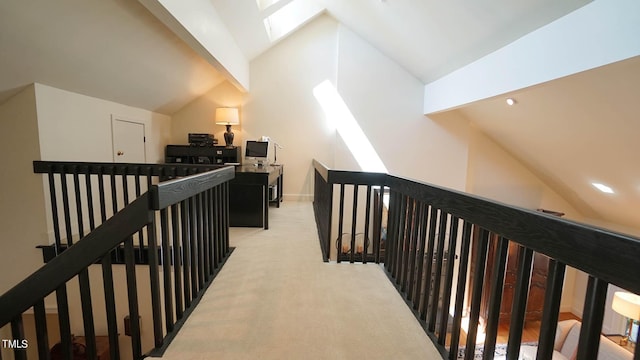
{"x":198,"y":24}
{"x":600,"y":33}
{"x":281,"y":103}
{"x":385,"y":101}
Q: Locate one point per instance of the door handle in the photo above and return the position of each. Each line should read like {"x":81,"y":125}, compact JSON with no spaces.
{"x":120,"y":153}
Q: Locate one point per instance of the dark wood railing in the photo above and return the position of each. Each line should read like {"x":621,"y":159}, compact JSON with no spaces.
{"x":431,"y":234}
{"x":186,"y":225}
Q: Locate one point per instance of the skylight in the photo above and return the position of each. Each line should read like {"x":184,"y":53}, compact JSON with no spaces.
{"x":603,"y":188}
{"x":290,"y":17}
{"x":263,"y":4}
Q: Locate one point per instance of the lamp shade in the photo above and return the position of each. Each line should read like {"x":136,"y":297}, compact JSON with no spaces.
{"x":626,"y":304}
{"x":227,"y":116}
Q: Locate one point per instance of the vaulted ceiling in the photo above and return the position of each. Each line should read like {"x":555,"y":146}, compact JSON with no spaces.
{"x":117,"y":50}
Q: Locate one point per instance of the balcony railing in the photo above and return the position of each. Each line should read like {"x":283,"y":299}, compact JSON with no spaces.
{"x":432,"y":235}
{"x":185,"y":226}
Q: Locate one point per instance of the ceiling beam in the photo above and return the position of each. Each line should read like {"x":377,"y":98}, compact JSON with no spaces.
{"x":600,"y":33}
{"x":198,"y":24}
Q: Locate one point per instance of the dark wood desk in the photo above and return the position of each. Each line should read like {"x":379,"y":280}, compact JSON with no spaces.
{"x":249,"y":194}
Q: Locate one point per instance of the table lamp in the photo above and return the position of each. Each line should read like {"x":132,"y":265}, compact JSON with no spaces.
{"x":627,"y":305}
{"x":227,"y":116}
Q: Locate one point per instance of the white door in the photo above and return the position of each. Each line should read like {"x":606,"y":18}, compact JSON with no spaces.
{"x":128,"y":141}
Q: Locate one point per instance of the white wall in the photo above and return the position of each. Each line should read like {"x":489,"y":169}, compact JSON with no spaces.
{"x":199,"y":115}
{"x":282,"y":105}
{"x":22,"y":211}
{"x":494,"y":173}
{"x":75,"y":127}
{"x":386,"y":102}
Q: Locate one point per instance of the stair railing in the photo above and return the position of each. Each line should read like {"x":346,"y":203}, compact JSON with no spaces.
{"x":428,"y":256}
{"x":186,"y":222}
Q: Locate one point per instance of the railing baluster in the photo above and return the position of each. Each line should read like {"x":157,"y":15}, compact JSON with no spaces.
{"x":132,"y":292}
{"x":54,"y":212}
{"x":200,"y":239}
{"x":435,"y":297}
{"x":367,"y":218}
{"x":76,"y":189}
{"x":110,"y":307}
{"x":354,"y":216}
{"x":520,"y":297}
{"x":103,"y":203}
{"x":83,"y":277}
{"x":592,"y":317}
{"x":495,"y":299}
{"x":552,"y":299}
{"x":90,"y":209}
{"x":17,"y":332}
{"x":340,"y":225}
{"x":208,"y":210}
{"x":446,"y":296}
{"x":154,"y":279}
{"x":218,"y":223}
{"x":87,"y":313}
{"x":225,"y":215}
{"x":65,"y":206}
{"x":410,"y":252}
{"x":431,"y":241}
{"x":193,"y":247}
{"x":460,"y":291}
{"x":413,"y":267}
{"x":422,"y":240}
{"x":114,"y":204}
{"x":186,"y":251}
{"x":166,"y":269}
{"x":400,"y":239}
{"x":205,"y":236}
{"x":63,"y":321}
{"x":42,"y":335}
{"x":377,"y":241}
{"x":476,"y":297}
{"x":177,"y":260}
{"x":140,"y":233}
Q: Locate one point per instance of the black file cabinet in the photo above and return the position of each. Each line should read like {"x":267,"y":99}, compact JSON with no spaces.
{"x":187,"y":154}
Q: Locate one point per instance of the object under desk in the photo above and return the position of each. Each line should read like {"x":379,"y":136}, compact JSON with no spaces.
{"x":249,"y":194}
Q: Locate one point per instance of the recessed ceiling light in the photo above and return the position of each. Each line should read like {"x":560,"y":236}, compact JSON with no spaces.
{"x":603,"y":188}
{"x":510,"y":101}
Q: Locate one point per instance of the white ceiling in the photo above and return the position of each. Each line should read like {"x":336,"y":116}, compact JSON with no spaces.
{"x":429,"y":38}
{"x":575,"y":131}
{"x":116,"y":50}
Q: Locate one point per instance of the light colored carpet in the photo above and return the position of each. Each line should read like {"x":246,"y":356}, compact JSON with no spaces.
{"x":276,"y":299}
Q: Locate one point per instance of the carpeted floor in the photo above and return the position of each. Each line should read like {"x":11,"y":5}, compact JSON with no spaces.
{"x":276,"y":299}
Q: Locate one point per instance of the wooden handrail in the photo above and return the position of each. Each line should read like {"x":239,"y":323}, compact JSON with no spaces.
{"x":197,"y":203}
{"x":422,"y":227}
{"x":579,"y":245}
{"x":78,"y":257}
{"x":97,"y":168}
{"x":173,"y":191}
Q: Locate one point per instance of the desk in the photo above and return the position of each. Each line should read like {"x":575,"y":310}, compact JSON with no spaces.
{"x":249,"y":194}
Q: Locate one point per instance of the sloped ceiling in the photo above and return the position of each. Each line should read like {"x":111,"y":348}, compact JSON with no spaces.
{"x":575,"y":131}
{"x":114,"y":50}
{"x":429,"y":38}
{"x":585,"y":125}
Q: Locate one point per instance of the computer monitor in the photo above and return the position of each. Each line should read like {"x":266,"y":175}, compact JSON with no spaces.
{"x":257,"y":150}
